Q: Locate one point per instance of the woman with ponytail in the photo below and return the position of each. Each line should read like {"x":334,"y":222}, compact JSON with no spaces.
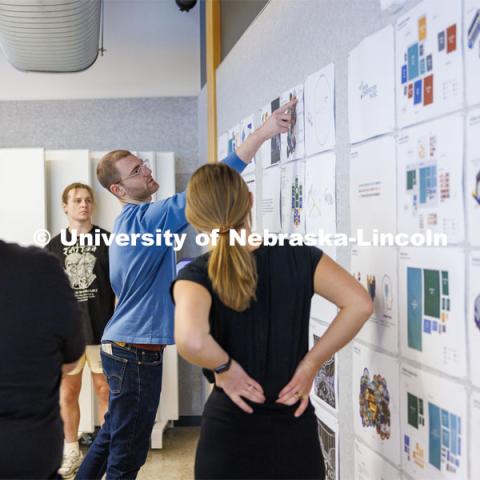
{"x":242,"y":313}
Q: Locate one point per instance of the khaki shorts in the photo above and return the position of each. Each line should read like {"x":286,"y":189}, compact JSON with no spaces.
{"x":92,"y":357}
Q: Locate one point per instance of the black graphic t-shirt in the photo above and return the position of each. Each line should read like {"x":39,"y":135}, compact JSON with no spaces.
{"x":89,"y":274}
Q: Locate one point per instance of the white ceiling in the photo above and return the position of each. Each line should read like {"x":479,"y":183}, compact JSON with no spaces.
{"x":152,"y":50}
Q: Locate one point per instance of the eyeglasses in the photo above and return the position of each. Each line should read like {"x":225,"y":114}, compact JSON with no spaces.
{"x":141,"y":168}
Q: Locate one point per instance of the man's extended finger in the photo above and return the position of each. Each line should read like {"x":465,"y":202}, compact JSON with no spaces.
{"x":289,"y":104}
{"x":301,"y":408}
{"x":240,"y":403}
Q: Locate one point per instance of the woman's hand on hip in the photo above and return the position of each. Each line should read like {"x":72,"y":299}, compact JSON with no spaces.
{"x":237,"y":384}
{"x":299,"y":387}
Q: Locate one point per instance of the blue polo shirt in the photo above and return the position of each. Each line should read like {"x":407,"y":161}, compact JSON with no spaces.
{"x":141,"y":275}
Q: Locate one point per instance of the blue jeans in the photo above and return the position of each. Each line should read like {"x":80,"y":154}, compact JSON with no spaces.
{"x":120,"y":449}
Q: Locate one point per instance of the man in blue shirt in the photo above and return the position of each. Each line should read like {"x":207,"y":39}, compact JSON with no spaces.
{"x":142,"y":324}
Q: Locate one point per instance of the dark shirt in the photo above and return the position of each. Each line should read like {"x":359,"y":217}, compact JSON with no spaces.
{"x":40,"y":330}
{"x":270,"y":338}
{"x":88,"y":270}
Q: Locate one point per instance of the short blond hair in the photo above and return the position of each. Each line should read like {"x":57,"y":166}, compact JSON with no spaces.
{"x":107,"y":172}
{"x":76,"y":186}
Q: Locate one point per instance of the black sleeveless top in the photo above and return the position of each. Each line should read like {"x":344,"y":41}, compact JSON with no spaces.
{"x":270,"y":338}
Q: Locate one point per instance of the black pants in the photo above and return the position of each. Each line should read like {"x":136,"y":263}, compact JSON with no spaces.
{"x":268,"y":444}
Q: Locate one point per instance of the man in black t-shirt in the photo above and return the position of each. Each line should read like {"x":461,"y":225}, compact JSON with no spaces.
{"x":88,"y":270}
{"x":40,"y":336}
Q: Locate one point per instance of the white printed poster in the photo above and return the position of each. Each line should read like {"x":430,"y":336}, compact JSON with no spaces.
{"x":372,"y":188}
{"x":271,"y":200}
{"x":293,"y":142}
{"x":293,"y":197}
{"x":475,"y":433}
{"x":329,"y":443}
{"x":376,"y":269}
{"x":371,"y":97}
{"x":251,"y":184}
{"x":319,"y":98}
{"x":371,"y":466}
{"x":320,"y":194}
{"x":432,"y":308}
{"x":473,"y":316}
{"x":471,"y":29}
{"x":222,"y":146}
{"x":472,"y":194}
{"x":433,"y":417}
{"x":247,"y":127}
{"x":376,"y":407}
{"x":325,"y":384}
{"x":429,"y":71}
{"x":430,"y":179}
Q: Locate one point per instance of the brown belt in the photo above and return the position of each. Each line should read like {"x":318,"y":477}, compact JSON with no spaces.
{"x":143,"y":346}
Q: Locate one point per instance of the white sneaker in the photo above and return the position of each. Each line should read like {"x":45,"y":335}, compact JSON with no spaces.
{"x":70,"y":464}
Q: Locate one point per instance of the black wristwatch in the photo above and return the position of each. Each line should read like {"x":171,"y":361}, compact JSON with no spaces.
{"x":224,"y":367}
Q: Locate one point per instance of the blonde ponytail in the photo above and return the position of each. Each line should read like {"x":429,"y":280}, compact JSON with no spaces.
{"x":217,"y":197}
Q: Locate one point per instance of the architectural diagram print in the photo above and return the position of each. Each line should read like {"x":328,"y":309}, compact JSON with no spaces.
{"x":325,"y":384}
{"x":473,"y":316}
{"x":319,"y":100}
{"x":432,"y":306}
{"x":247,"y":127}
{"x":271,"y":199}
{"x":430,"y":192}
{"x":376,"y":269}
{"x":371,"y":80}
{"x":320,"y":201}
{"x":429,"y":68}
{"x":472,"y":193}
{"x":222,"y":146}
{"x":293,"y":142}
{"x":471,"y":48}
{"x":433,"y":425}
{"x":372,"y":187}
{"x":375,"y":401}
{"x":293,"y":197}
{"x":371,"y":466}
{"x":267,"y":148}
{"x":328,"y":436}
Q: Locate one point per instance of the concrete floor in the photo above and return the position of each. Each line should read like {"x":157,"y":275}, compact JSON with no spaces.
{"x":175,"y":461}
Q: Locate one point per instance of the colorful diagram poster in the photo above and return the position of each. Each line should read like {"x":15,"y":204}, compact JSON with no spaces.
{"x":293,"y":142}
{"x":247,"y":127}
{"x":373,"y":187}
{"x":475,"y":433}
{"x":473,"y":317}
{"x":432,"y":308}
{"x":472,"y":193}
{"x":471,"y":29}
{"x":293,"y":197}
{"x":325,"y":384}
{"x":371,"y":466}
{"x":430,"y":179}
{"x":375,"y":394}
{"x":233,"y":138}
{"x":376,"y":269}
{"x":371,"y":80}
{"x":271,"y":200}
{"x":319,"y":96}
{"x":434,"y":414}
{"x":429,"y":71}
{"x":328,"y":436}
{"x":320,"y":194}
{"x":251,"y":184}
